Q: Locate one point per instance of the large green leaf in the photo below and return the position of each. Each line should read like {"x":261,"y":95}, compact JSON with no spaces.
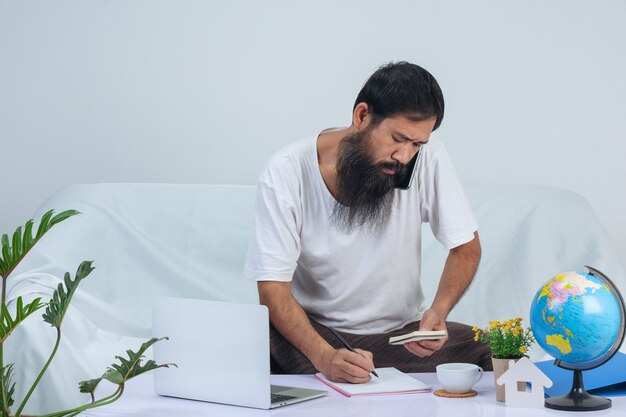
{"x":128,"y":368}
{"x":125,"y":370}
{"x":8,"y":323}
{"x":58,"y":305}
{"x":118,"y":374}
{"x":7,"y":388}
{"x":13,"y":252}
{"x":131,"y":367}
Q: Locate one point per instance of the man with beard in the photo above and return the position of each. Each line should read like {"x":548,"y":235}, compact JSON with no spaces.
{"x":336,"y":241}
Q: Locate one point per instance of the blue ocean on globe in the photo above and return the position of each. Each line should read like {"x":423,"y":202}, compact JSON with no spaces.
{"x":575,"y":317}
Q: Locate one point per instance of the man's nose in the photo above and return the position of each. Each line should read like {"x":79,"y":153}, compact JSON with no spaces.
{"x":404,"y":153}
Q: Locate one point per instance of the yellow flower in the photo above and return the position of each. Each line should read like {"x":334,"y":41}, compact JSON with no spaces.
{"x":507,"y":339}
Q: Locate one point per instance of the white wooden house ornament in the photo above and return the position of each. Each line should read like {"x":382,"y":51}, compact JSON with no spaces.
{"x":524,"y":371}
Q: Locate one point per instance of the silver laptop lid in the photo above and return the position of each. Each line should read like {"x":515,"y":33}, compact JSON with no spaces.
{"x":221,"y":349}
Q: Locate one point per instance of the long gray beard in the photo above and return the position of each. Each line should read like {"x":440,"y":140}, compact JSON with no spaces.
{"x":364,"y":193}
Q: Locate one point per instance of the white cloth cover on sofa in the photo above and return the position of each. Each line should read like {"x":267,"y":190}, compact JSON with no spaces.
{"x":191,"y":241}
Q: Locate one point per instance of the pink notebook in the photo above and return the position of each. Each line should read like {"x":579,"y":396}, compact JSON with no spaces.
{"x":390,"y":381}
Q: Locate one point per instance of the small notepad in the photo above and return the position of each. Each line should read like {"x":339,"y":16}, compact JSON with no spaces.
{"x":417,"y":336}
{"x":389,"y":381}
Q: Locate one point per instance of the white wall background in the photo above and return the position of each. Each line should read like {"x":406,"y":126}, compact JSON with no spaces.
{"x":205,"y":91}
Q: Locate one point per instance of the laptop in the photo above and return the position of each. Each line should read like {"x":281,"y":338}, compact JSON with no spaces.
{"x":222,"y":352}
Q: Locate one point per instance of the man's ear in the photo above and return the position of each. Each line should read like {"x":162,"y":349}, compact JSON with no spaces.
{"x":361,"y":116}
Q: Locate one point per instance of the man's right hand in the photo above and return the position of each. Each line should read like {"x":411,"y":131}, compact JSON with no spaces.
{"x":292,"y":322}
{"x":341,"y":365}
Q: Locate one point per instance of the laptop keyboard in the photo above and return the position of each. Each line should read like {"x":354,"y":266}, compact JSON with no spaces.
{"x":278,"y":398}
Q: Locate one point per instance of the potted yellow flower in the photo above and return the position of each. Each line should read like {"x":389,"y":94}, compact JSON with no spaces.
{"x":508,"y":340}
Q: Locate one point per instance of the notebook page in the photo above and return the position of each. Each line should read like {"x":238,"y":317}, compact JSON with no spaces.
{"x":389,"y":381}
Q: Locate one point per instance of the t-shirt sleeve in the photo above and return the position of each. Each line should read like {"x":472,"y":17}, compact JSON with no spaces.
{"x":443,"y":202}
{"x":274,"y":246}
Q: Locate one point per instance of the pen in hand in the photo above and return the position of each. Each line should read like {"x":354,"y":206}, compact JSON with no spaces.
{"x":346,"y":345}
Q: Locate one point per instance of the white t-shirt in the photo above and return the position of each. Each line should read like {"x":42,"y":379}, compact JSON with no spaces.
{"x":364,"y":281}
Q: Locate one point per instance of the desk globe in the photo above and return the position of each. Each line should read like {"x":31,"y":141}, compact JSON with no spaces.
{"x":578,"y":318}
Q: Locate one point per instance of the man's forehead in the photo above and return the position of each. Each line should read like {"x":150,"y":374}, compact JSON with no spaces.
{"x":410,"y":129}
{"x":410,"y":120}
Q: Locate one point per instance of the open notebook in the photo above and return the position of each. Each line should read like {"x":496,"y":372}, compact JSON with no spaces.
{"x":389,"y":381}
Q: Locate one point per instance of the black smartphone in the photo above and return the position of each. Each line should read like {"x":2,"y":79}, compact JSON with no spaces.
{"x":404,"y":181}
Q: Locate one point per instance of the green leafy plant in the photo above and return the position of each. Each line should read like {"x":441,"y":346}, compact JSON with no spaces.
{"x":12,"y":252}
{"x":507,"y":340}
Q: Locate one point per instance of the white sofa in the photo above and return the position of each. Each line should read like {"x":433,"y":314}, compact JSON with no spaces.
{"x":191,"y":240}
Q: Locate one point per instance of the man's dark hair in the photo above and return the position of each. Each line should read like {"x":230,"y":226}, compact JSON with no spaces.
{"x":402,"y":88}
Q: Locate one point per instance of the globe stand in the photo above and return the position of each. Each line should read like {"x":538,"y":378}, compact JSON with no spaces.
{"x":578,"y":399}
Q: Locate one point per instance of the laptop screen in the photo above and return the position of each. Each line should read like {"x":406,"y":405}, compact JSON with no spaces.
{"x":221,"y":349}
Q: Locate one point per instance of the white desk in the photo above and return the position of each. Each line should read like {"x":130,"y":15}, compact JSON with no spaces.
{"x":139,"y":399}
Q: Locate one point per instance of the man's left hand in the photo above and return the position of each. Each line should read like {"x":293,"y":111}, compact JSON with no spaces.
{"x":431,"y":320}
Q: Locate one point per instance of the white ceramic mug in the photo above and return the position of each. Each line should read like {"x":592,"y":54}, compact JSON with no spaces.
{"x":458,"y":378}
